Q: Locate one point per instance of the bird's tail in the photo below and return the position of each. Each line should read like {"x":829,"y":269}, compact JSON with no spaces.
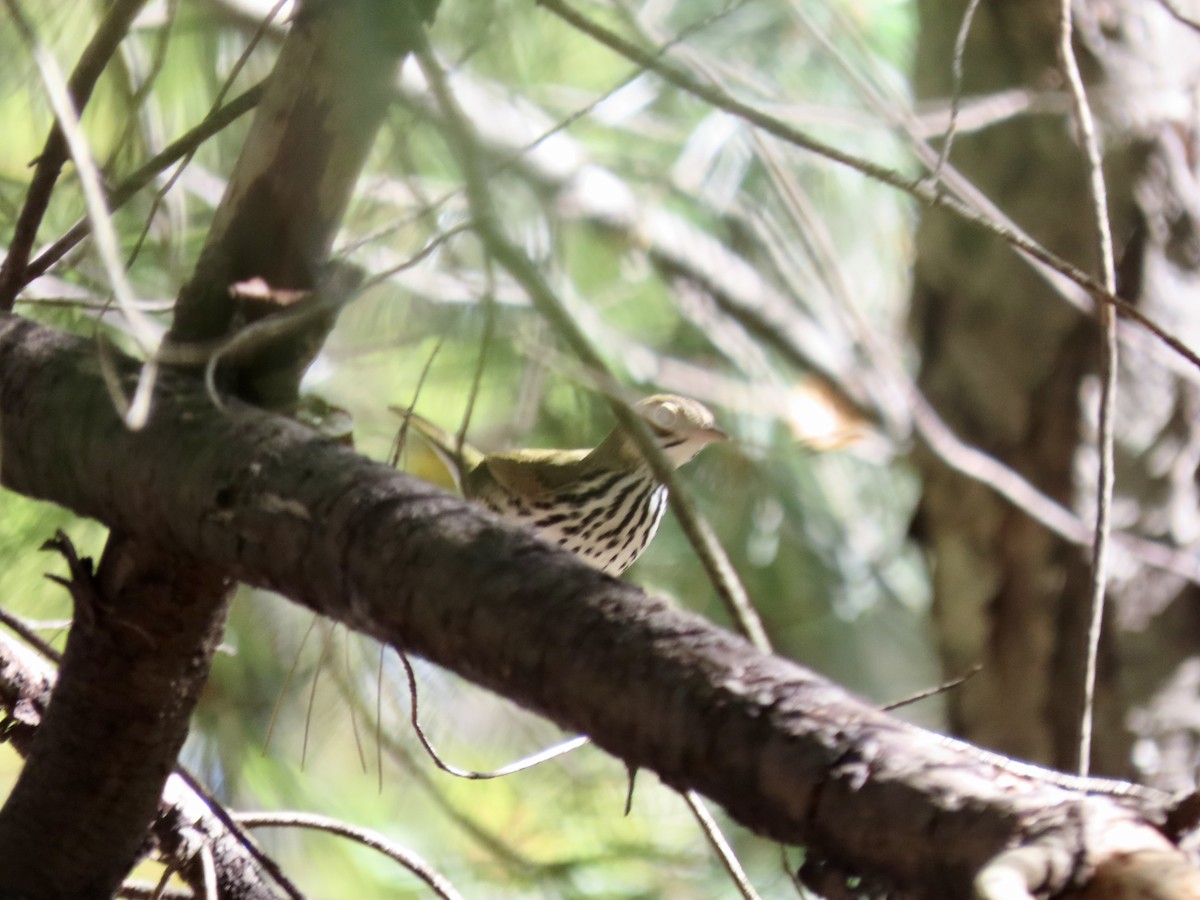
{"x":456,"y":455}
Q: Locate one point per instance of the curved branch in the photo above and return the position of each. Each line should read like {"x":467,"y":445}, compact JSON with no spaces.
{"x":787,"y":753}
{"x":437,"y":882}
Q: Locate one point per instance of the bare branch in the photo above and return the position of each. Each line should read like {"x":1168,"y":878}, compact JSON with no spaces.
{"x":1108,"y":383}
{"x":721,"y":847}
{"x":437,"y":882}
{"x":123,"y":192}
{"x":784,"y":751}
{"x":916,"y":188}
{"x":560,"y":749}
{"x":25,"y":685}
{"x":95,"y":57}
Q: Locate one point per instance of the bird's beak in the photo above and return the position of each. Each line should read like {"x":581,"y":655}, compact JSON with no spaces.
{"x":713,"y":435}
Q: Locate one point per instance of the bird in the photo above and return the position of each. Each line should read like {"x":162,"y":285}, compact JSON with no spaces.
{"x":603,"y":504}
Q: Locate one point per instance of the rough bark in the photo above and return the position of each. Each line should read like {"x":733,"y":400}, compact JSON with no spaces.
{"x":260,"y":499}
{"x":184,"y":820}
{"x":118,"y":719}
{"x":142,"y":639}
{"x":787,"y":753}
{"x":1012,"y":367}
{"x":284,"y":203}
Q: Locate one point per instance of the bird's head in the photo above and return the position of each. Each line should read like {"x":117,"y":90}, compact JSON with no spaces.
{"x":682,"y":426}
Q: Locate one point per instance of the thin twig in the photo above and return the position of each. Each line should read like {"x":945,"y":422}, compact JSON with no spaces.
{"x":67,"y":117}
{"x":417,"y":773}
{"x":141,"y":93}
{"x":287,"y":680}
{"x":365,"y":836}
{"x":485,"y":344}
{"x":417,"y":257}
{"x":892,"y":106}
{"x":22,"y":629}
{"x":1010,"y":484}
{"x":401,"y":439}
{"x":358,"y":743}
{"x":326,"y":643}
{"x":956,"y":69}
{"x":83,"y":79}
{"x":329,"y":298}
{"x":1108,"y":383}
{"x":919,"y":189}
{"x":238,"y":65}
{"x":136,"y":412}
{"x":379,"y":718}
{"x":90,"y":303}
{"x":717,"y":841}
{"x":942,"y":688}
{"x":560,"y":749}
{"x":518,"y":264}
{"x":122,"y":193}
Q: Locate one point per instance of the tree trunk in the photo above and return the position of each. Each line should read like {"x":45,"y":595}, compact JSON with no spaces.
{"x":1012,"y":368}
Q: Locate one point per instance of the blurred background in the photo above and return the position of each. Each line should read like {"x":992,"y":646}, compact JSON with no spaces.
{"x":908,"y":489}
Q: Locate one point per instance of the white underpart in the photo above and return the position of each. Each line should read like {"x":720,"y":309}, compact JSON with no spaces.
{"x":606,"y":519}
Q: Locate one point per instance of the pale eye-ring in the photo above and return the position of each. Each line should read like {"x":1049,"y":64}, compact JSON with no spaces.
{"x":665,"y":416}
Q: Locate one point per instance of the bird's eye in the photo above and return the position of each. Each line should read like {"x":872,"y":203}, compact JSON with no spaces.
{"x":665,"y":416}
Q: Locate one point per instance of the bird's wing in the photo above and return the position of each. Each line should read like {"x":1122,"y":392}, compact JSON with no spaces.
{"x":458,"y":461}
{"x":528,"y":473}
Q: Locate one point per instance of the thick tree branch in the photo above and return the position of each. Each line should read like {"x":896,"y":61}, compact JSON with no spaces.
{"x":285,"y":201}
{"x":147,"y":622}
{"x":140,"y":673}
{"x":787,"y":753}
{"x":185,"y":819}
